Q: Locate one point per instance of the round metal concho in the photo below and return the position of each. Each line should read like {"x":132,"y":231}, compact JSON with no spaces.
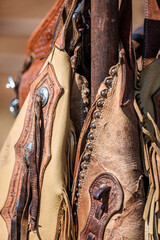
{"x":45,"y":95}
{"x":28,"y":147}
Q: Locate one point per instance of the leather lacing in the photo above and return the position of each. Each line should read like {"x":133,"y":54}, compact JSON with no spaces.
{"x":30,"y":187}
{"x":35,"y":162}
{"x":150,"y":142}
{"x":95,"y":116}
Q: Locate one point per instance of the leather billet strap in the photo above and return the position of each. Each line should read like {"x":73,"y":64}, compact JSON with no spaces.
{"x":151,"y":30}
{"x":61,"y":40}
{"x":125,"y":29}
{"x":125,"y":33}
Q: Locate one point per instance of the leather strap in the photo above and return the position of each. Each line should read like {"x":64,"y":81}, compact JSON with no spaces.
{"x":125,"y":32}
{"x":151,"y":31}
{"x":34,"y":166}
{"x":16,"y":219}
{"x":30,"y":179}
{"x":125,"y":28}
{"x":69,"y":7}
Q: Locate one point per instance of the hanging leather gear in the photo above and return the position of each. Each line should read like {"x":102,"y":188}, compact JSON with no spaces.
{"x":82,"y":84}
{"x":108,"y":191}
{"x":147,"y":97}
{"x":39,"y":174}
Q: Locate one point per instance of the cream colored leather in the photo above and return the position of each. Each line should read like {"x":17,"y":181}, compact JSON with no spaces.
{"x":56,"y":177}
{"x":7,"y":159}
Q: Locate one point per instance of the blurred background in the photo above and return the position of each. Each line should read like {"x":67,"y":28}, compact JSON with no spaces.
{"x":18,"y":19}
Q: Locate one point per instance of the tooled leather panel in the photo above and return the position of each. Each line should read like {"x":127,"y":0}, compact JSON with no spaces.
{"x":46,"y":79}
{"x":41,"y":41}
{"x":156,"y":102}
{"x":106,"y":199}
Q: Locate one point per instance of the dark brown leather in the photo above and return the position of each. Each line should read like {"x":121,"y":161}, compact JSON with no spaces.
{"x":125,"y":29}
{"x":104,"y":41}
{"x":39,"y":45}
{"x":30,"y":165}
{"x":156,"y":101}
{"x":79,"y":102}
{"x":80,"y":93}
{"x":151,"y":30}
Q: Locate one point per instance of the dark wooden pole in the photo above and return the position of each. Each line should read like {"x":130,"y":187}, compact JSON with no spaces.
{"x":104,"y":40}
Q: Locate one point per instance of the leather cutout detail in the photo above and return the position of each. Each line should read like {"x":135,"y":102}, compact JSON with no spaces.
{"x":156,"y":102}
{"x":106,"y":199}
{"x":22,"y":169}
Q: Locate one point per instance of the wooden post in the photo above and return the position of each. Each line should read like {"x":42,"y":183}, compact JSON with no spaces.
{"x":104,"y":40}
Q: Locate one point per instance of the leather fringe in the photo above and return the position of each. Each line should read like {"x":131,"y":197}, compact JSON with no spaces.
{"x":150,"y":142}
{"x":65,"y":226}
